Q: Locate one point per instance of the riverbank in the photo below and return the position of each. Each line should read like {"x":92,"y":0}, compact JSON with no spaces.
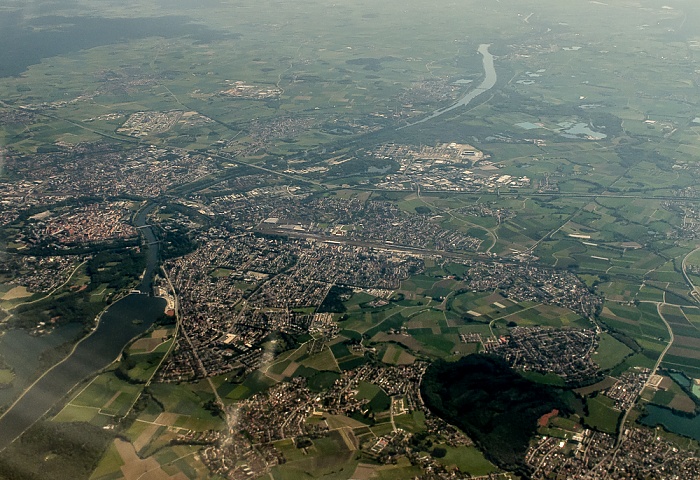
{"x":116,"y":326}
{"x":489,"y":81}
{"x":119,"y":324}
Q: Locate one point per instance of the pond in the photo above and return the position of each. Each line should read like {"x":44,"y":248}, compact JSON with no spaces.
{"x":578,"y":130}
{"x":679,"y":424}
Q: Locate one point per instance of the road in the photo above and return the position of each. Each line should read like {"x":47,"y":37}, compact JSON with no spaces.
{"x":491,"y":233}
{"x":693,"y":289}
{"x":525,"y":193}
{"x":621,"y":432}
{"x":178,"y":326}
{"x":391,"y":413}
{"x":670,"y":342}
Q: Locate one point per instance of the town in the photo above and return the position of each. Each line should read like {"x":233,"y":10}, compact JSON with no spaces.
{"x":266,"y":261}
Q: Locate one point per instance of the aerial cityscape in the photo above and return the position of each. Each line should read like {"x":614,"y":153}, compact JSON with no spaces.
{"x":362,"y":240}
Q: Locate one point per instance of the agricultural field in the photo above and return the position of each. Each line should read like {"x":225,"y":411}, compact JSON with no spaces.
{"x":684,"y":353}
{"x":671,"y":395}
{"x":581,"y":178}
{"x":601,"y":414}
{"x":103,"y":399}
{"x":611,"y":352}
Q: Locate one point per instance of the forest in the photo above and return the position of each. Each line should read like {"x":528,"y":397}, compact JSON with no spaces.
{"x":491,"y":403}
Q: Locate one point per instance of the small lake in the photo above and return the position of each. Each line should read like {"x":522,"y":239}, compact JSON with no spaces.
{"x":688,"y":427}
{"x":578,"y":130}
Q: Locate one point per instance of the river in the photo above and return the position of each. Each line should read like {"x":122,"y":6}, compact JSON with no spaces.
{"x":120,"y":323}
{"x":487,"y":84}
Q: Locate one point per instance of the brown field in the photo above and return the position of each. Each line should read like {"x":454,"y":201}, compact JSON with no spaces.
{"x":349,"y":438}
{"x":150,"y":343}
{"x":167,"y":419}
{"x":389,"y":354}
{"x":146,"y":345}
{"x":683,"y":403}
{"x":405,"y":359}
{"x":160,"y":334}
{"x":145,"y":438}
{"x":291,"y":368}
{"x":690,"y":342}
{"x":544,"y":419}
{"x":135,"y":468}
{"x":17,"y":292}
{"x":666,"y":383}
{"x":685,"y":352}
{"x":364,"y":472}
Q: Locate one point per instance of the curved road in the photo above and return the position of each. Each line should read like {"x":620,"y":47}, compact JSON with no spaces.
{"x":621,"y":433}
{"x":693,"y":289}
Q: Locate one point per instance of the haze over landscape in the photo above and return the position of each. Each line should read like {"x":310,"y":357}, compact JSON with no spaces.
{"x":349,"y":240}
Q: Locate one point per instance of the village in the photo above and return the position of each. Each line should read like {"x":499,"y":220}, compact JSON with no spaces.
{"x":595,"y":455}
{"x":290,"y":411}
{"x":565,"y":352}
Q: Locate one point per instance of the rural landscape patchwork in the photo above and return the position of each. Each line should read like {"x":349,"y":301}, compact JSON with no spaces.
{"x":372,"y":240}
